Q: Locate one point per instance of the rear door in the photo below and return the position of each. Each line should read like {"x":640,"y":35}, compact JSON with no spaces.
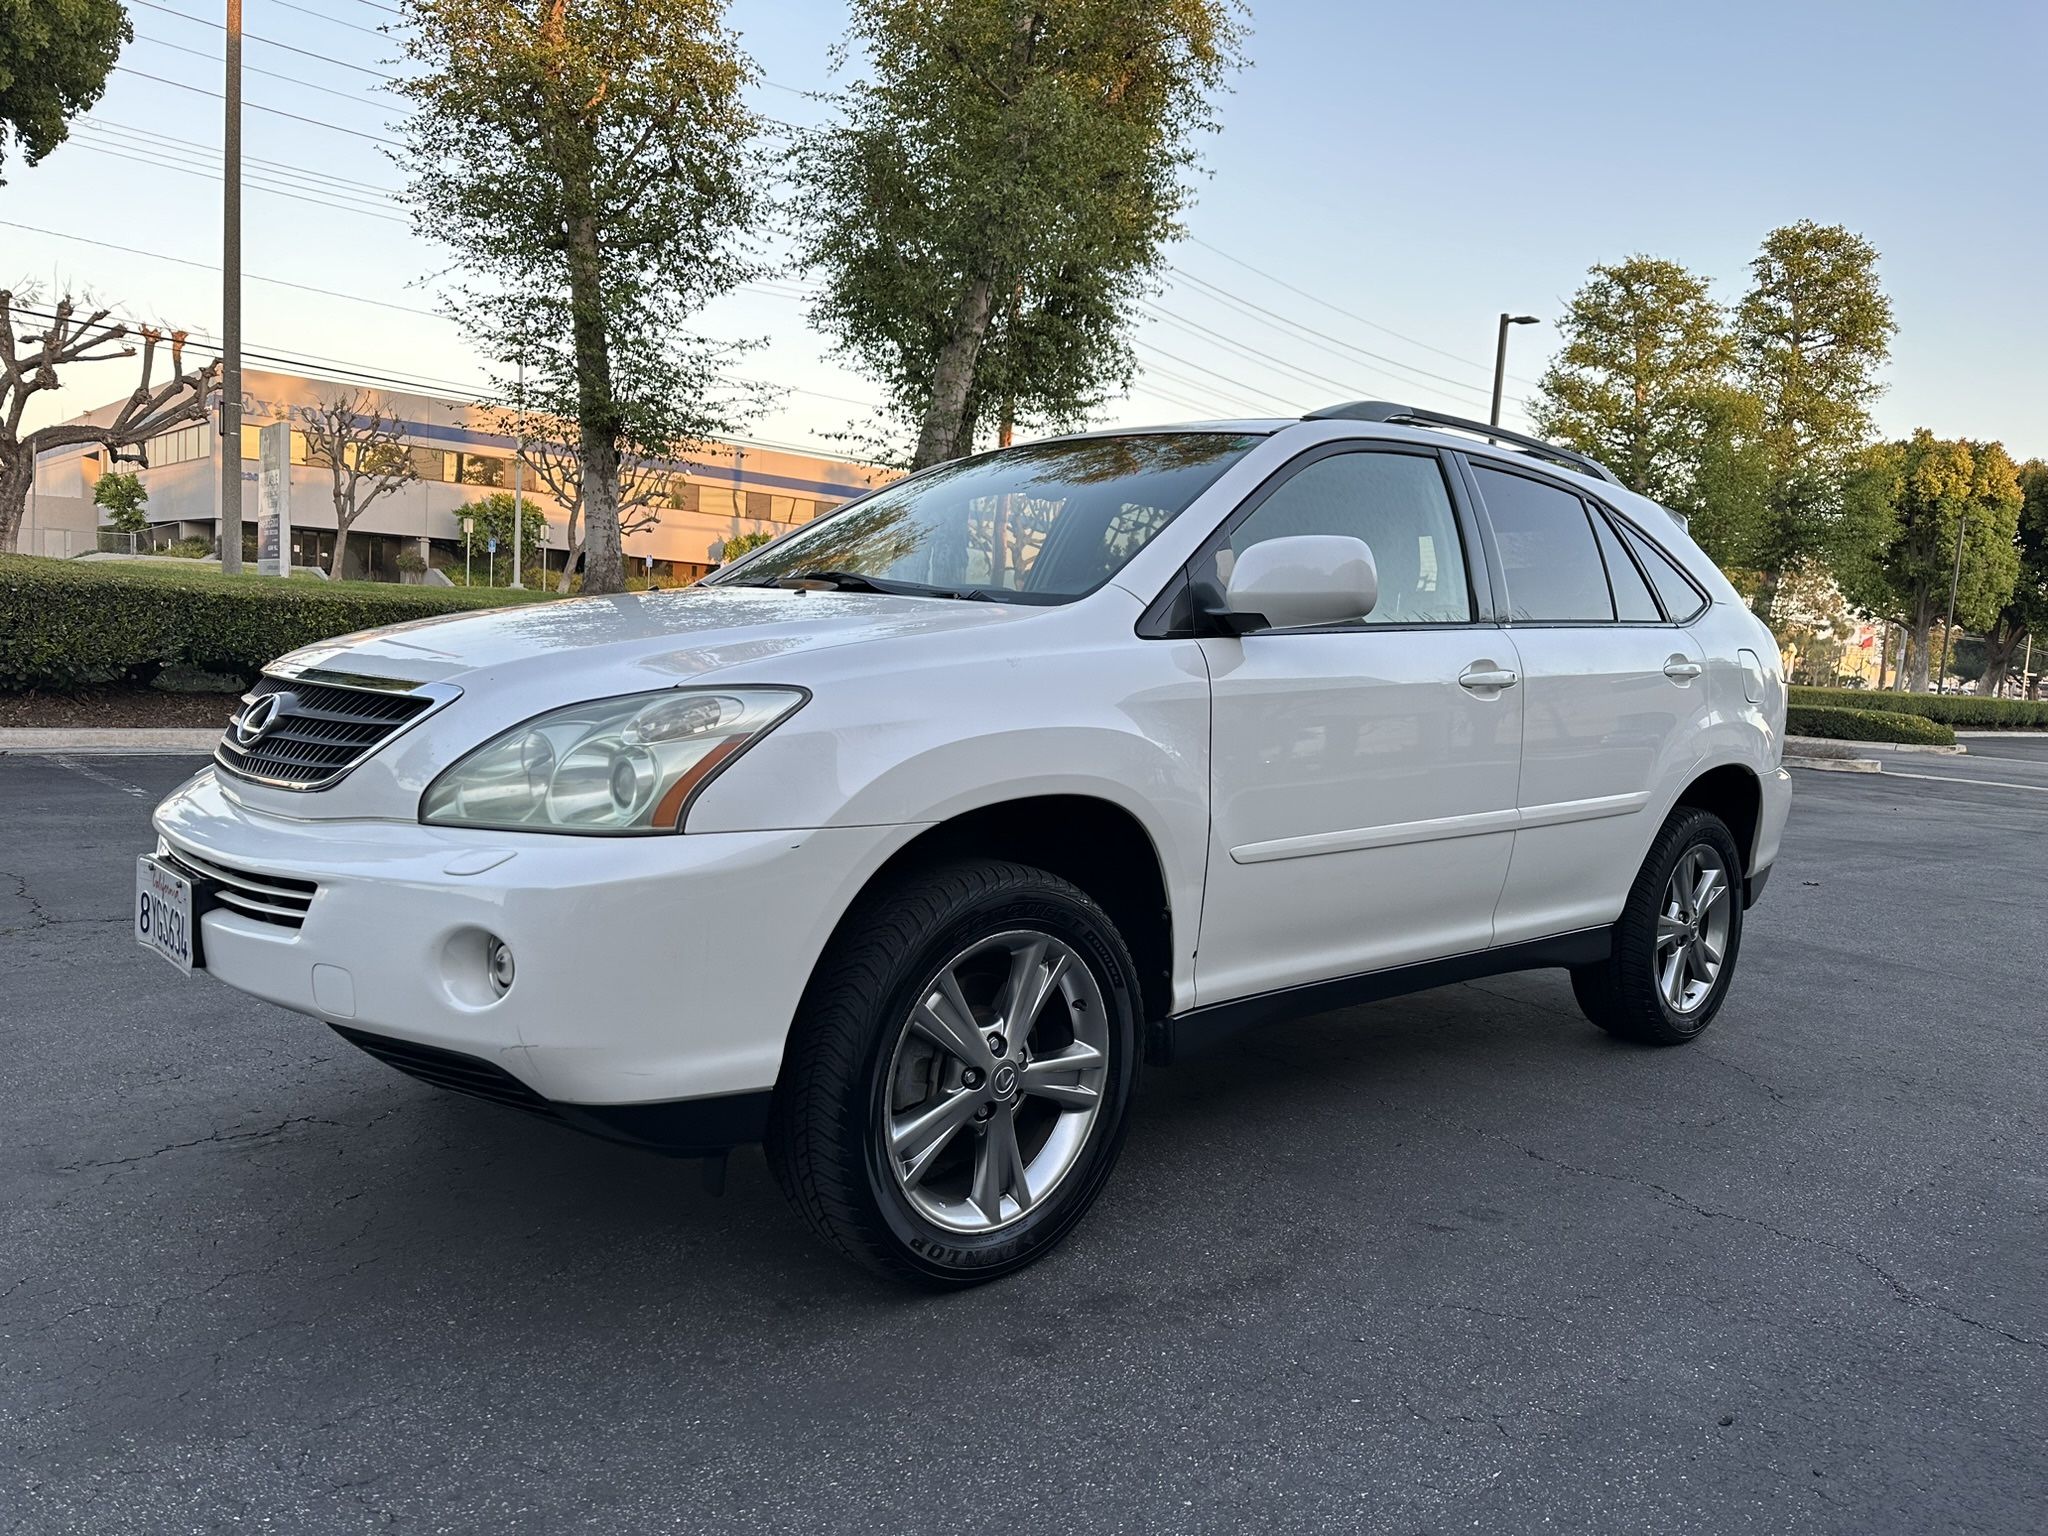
{"x":1611,"y":704}
{"x":1363,"y":798}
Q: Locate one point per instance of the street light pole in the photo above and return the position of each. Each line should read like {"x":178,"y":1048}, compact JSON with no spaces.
{"x":518,"y":483}
{"x":231,"y":303}
{"x":1955,"y":580}
{"x":1500,"y":360}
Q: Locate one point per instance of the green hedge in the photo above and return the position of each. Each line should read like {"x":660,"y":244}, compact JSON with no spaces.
{"x":67,"y":624}
{"x":1962,"y":709}
{"x":1865,"y":725}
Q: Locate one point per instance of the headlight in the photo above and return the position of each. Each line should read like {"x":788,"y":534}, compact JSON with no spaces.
{"x":631,"y":764}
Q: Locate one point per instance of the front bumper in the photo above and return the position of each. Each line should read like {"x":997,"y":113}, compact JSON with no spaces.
{"x":646,"y":970}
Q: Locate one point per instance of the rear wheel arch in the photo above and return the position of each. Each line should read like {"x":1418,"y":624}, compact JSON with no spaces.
{"x":1733,"y":792}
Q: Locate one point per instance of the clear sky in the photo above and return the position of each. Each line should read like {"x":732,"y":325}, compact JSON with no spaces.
{"x":1414,"y":169}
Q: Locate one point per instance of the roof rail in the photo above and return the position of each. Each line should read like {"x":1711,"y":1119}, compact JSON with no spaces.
{"x":1414,"y":416}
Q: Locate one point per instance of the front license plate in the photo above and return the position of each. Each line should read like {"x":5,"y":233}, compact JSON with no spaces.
{"x":166,"y":917}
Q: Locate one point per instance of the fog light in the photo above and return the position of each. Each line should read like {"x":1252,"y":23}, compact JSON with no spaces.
{"x":500,"y":964}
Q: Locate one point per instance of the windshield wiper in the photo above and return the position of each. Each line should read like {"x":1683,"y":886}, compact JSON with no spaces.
{"x":856,"y":581}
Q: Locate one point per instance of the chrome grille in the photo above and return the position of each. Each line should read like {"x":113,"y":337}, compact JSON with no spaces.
{"x":315,"y":732}
{"x":275,"y":899}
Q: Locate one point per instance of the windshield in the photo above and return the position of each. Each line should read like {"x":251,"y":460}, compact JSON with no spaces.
{"x":1044,"y":523}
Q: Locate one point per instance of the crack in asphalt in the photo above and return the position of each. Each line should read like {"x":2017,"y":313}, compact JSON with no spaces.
{"x":222,"y":1137}
{"x":39,"y":917}
{"x":1899,"y":1288}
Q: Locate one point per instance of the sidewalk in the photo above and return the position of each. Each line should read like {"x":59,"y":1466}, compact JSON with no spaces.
{"x":104,"y":741}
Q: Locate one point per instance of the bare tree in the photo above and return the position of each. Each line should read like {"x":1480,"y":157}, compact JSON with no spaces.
{"x":29,"y":360}
{"x":366,"y":452}
{"x":552,"y":448}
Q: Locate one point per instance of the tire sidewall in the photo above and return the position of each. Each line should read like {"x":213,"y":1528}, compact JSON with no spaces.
{"x":937,"y":1253}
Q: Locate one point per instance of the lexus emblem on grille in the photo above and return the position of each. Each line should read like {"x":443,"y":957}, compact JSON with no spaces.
{"x":259,"y":716}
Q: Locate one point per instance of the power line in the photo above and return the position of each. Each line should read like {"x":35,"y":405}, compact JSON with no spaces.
{"x":269,"y":42}
{"x":152,"y":137}
{"x":142,"y":157}
{"x":1236,"y":383}
{"x":204,"y":266}
{"x":258,"y":106}
{"x":256,"y":69}
{"x":1316,"y":298}
{"x":1252,"y":354}
{"x":1208,"y":391}
{"x":307,"y":10}
{"x":1295,"y":328}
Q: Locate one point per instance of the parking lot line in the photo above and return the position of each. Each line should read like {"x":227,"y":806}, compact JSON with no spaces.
{"x":1963,"y":778}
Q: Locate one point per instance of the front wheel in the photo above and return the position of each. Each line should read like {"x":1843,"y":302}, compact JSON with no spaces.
{"x":1676,"y":942}
{"x":954,"y":1092}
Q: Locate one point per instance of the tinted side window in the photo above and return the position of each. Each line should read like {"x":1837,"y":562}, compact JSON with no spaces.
{"x":1547,"y":551}
{"x":1682,"y":600}
{"x":1632,"y":601}
{"x":1397,"y":503}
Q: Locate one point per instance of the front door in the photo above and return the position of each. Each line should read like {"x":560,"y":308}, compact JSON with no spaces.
{"x":1362,"y":796}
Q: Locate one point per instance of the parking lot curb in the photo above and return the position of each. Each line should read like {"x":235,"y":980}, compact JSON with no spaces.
{"x":1829,"y":746}
{"x":1835,"y":764}
{"x":108,"y":741}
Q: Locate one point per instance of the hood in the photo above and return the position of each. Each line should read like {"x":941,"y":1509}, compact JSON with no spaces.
{"x":665,"y":637}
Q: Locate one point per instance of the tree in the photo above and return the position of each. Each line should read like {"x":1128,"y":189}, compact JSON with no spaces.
{"x":1937,"y":490}
{"x":1813,"y":622}
{"x":122,"y":493}
{"x":591,"y":161}
{"x":551,"y":446}
{"x":2025,"y":613}
{"x":367,"y":454}
{"x":740,"y":543}
{"x":1810,"y":337}
{"x":54,"y":59}
{"x":489,"y":518}
{"x":1643,"y":385}
{"x":998,"y":195}
{"x":30,"y":363}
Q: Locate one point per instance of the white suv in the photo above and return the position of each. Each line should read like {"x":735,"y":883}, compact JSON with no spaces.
{"x":901,"y":843}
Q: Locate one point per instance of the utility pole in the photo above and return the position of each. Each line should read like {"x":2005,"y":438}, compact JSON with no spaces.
{"x":518,"y":483}
{"x":231,"y":303}
{"x":1955,"y":581}
{"x":1500,"y":360}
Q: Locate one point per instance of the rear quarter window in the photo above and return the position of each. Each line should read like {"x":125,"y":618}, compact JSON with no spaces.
{"x":1683,"y":600}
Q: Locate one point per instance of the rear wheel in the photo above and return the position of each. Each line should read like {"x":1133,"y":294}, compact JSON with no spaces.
{"x":1676,"y":942}
{"x":954,"y":1093}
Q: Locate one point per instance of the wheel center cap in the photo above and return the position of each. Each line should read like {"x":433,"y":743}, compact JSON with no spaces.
{"x":1003,"y":1081}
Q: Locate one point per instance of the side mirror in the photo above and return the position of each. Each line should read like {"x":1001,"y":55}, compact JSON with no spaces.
{"x":1300,"y":582}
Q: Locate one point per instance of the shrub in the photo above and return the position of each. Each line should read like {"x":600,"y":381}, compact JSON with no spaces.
{"x":1962,"y":709}
{"x":76,"y":623}
{"x":1837,"y":724}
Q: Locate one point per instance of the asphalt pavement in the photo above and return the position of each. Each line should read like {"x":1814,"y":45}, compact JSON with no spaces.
{"x":1452,"y":1263}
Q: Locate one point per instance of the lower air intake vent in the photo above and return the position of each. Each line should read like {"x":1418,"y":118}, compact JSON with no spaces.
{"x":267,"y":898}
{"x":448,"y":1069}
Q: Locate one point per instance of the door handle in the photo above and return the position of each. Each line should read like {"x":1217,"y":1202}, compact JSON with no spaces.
{"x":1680,"y":670}
{"x":1480,"y":677}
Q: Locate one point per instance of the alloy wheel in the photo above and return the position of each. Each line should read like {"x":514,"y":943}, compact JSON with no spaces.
{"x":996,"y":1080}
{"x":1692,"y":928}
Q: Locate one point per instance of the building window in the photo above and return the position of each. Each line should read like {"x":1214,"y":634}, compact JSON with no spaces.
{"x":182,"y":446}
{"x":482,"y":469}
{"x":684,"y":496}
{"x":252,"y":444}
{"x":760,"y":504}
